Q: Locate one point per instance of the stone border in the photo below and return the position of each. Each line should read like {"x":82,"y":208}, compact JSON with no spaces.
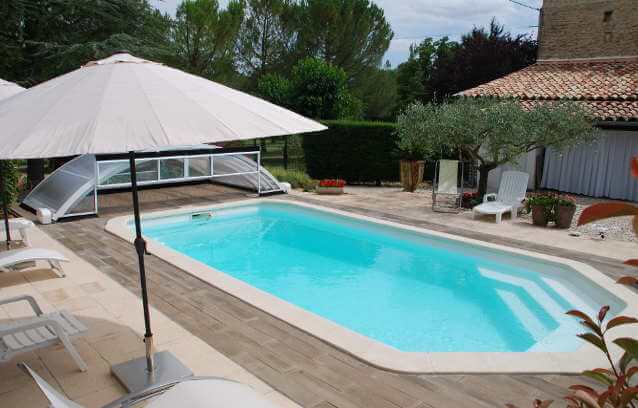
{"x":377,"y":353}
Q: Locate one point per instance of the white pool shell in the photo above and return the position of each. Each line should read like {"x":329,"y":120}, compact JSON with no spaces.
{"x":375,"y":352}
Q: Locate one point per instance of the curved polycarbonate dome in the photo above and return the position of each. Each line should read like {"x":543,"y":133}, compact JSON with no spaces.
{"x":71,"y":189}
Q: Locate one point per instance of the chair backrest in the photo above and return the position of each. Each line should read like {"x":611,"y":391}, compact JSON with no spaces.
{"x":56,"y":399}
{"x":513,"y":187}
{"x":448,"y":177}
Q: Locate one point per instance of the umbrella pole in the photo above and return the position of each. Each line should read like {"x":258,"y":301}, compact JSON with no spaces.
{"x":5,"y":205}
{"x":155,"y":368}
{"x":140,"y":247}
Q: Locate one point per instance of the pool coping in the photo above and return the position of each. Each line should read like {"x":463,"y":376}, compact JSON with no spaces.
{"x":377,"y":353}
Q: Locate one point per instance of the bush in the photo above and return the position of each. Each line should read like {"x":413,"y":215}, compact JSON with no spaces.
{"x":9,"y":172}
{"x":355,"y":151}
{"x":296,"y":178}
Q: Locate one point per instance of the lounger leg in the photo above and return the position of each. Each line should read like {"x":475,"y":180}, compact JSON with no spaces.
{"x":25,"y":237}
{"x":57,"y":267}
{"x":72,"y":351}
{"x":498,"y":217}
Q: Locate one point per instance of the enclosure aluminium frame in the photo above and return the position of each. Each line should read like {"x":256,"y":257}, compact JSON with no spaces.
{"x":185,"y":156}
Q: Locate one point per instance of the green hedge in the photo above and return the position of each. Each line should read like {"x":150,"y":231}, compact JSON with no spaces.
{"x":354,"y":151}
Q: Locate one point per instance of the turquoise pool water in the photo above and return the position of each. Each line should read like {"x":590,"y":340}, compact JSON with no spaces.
{"x":411,"y":291}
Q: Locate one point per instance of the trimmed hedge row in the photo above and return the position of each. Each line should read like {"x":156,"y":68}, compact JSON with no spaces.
{"x":354,"y":151}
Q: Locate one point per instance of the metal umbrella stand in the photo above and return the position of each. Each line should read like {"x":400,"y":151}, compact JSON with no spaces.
{"x":155,"y":368}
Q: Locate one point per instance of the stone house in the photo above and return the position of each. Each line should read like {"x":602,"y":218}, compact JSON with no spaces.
{"x":588,"y":52}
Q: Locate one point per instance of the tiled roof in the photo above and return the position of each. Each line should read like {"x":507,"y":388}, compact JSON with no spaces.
{"x":609,"y":88}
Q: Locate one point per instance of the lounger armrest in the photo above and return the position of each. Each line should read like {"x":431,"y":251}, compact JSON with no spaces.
{"x":28,"y":298}
{"x":486,"y":197}
{"x":42,"y":321}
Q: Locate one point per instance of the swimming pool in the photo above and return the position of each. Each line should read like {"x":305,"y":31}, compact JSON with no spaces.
{"x":412,"y":291}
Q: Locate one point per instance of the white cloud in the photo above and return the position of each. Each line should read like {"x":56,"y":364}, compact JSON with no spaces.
{"x":413,"y":20}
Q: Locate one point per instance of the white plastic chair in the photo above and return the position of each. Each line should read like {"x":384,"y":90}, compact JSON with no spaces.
{"x":509,"y":198}
{"x":10,"y":260}
{"x":39,"y":332}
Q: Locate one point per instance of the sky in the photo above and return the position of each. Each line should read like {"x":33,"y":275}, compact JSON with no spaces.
{"x":414,"y":20}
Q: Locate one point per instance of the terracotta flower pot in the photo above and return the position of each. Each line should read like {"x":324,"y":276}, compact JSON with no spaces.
{"x":411,"y":174}
{"x":329,"y":190}
{"x":564,"y":215}
{"x":539,"y":215}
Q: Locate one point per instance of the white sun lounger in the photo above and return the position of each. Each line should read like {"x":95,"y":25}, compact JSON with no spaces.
{"x":509,"y":198}
{"x":9,"y":260}
{"x":41,"y":331}
{"x":194,"y":392}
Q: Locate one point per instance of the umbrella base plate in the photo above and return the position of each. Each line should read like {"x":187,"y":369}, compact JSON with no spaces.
{"x":134,"y":376}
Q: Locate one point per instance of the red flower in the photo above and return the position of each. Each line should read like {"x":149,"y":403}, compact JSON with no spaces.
{"x":332,"y":183}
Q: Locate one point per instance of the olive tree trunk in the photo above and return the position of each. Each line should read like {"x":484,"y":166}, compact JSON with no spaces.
{"x":484,"y":171}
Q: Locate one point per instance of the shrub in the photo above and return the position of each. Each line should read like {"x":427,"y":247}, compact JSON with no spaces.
{"x":355,"y":151}
{"x":296,"y":178}
{"x":9,"y":173}
{"x":565,"y":200}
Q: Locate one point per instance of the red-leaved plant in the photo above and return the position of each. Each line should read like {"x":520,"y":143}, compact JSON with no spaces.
{"x":617,"y":388}
{"x":332,"y":183}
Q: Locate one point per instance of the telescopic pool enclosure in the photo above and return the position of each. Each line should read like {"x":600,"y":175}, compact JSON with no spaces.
{"x":72,"y":190}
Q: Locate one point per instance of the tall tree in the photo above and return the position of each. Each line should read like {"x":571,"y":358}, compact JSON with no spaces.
{"x":267,"y":37}
{"x":204,"y":36}
{"x":485,"y":55}
{"x":438,"y":69}
{"x":350,"y":34}
{"x":46,"y":38}
{"x":377,"y":88}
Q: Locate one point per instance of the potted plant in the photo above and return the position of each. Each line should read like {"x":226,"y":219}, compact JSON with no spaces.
{"x":542,"y":207}
{"x":414,"y":133}
{"x":564,"y":211}
{"x":330,"y":186}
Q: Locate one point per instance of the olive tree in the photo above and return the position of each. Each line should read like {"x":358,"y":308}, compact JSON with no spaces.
{"x":492,"y":132}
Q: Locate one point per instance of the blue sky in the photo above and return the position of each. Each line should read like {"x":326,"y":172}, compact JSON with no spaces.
{"x":413,"y":20}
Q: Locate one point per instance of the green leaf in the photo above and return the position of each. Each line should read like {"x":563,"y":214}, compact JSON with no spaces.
{"x":624,"y":361}
{"x":629,"y":345}
{"x":591,"y":338}
{"x":597,"y":376}
{"x":620,"y":320}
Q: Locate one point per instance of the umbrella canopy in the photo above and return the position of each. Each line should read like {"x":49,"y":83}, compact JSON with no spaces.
{"x":124,"y":103}
{"x":8,"y":89}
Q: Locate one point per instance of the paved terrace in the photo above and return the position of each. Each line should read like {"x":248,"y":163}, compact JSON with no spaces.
{"x":233,"y":338}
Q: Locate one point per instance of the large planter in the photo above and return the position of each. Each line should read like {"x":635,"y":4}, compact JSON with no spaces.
{"x":411,"y":174}
{"x":539,"y":215}
{"x":564,"y":215}
{"x":328,"y":190}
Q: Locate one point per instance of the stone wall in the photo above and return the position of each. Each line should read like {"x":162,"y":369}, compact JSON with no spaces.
{"x":571,"y":29}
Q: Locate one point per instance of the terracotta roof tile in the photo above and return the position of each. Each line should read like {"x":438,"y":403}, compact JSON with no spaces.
{"x":609,"y":88}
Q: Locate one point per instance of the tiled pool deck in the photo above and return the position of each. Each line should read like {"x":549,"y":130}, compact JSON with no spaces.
{"x":215,"y":333}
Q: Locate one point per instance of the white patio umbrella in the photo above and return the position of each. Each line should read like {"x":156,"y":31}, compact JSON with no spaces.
{"x":7,"y":89}
{"x":125,"y":104}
